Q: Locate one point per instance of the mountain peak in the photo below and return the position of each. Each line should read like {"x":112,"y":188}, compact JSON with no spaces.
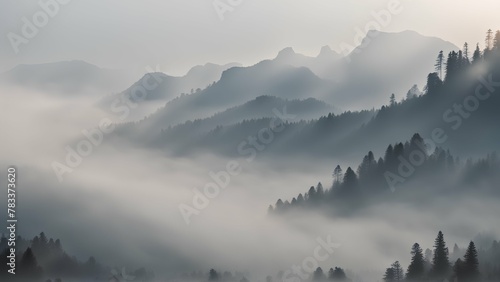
{"x":327,"y":52}
{"x":286,"y":53}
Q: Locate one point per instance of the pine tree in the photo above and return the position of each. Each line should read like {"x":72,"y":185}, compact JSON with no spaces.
{"x":471,"y":263}
{"x":389,"y":159}
{"x":337,"y":274}
{"x":434,"y":83}
{"x":311,"y":194}
{"x":466,"y":53}
{"x":496,"y":41}
{"x":28,"y":266}
{"x":337,"y":174}
{"x":440,"y":261}
{"x":318,"y":275}
{"x":389,"y":275}
{"x":350,"y":178}
{"x":398,"y":271}
{"x":489,"y":43}
{"x":439,"y":64}
{"x":213,"y":275}
{"x":392,"y":100}
{"x":458,"y":270}
{"x":451,"y":65}
{"x":300,"y":199}
{"x":489,"y":39}
{"x":476,"y":57}
{"x":319,"y":191}
{"x":417,"y":266}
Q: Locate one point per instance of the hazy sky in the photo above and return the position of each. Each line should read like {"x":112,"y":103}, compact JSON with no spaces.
{"x":177,"y":34}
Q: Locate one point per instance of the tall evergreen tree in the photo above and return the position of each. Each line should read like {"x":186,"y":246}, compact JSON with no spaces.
{"x":466,"y":53}
{"x":213,"y":275}
{"x":489,"y":39}
{"x":350,"y":178}
{"x":389,"y":275}
{"x":392,"y":99}
{"x":440,"y":261}
{"x":337,"y":175}
{"x":398,"y":271}
{"x":458,"y":270}
{"x":434,"y":83}
{"x":476,"y":57}
{"x":439,"y":64}
{"x":471,"y":263}
{"x":28,"y":266}
{"x":496,"y":41}
{"x":451,"y":65}
{"x":416,"y":269}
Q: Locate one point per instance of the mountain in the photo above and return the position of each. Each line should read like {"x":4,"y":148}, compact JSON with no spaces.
{"x":258,"y":108}
{"x":326,"y":59}
{"x":364,"y":79}
{"x":383,"y":64}
{"x":160,"y":88}
{"x":166,"y":87}
{"x":458,"y":113}
{"x":239,"y":85}
{"x":68,"y":77}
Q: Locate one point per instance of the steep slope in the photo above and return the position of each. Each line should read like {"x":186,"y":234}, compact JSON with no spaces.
{"x":386,"y":63}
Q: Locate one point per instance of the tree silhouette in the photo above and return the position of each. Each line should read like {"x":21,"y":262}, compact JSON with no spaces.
{"x":466,"y":53}
{"x":476,"y":57}
{"x":337,"y":274}
{"x":318,"y":275}
{"x":416,"y":269}
{"x":471,"y":263}
{"x":389,"y":275}
{"x":439,"y":64}
{"x":434,"y":83}
{"x":496,"y":41}
{"x":213,"y":275}
{"x":458,"y":270}
{"x":28,"y":266}
{"x":398,"y":271}
{"x":489,"y":39}
{"x":452,"y":66}
{"x":337,"y":175}
{"x":440,"y":261}
{"x":392,"y":99}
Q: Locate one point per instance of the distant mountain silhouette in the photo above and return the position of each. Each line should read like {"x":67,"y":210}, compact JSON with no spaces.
{"x":258,"y":108}
{"x":163,"y":88}
{"x":237,"y":86}
{"x":326,"y":59}
{"x":67,"y":78}
{"x":348,"y":134}
{"x":384,"y":63}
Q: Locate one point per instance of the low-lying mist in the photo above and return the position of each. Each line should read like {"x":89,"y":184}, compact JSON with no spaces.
{"x":122,"y":204}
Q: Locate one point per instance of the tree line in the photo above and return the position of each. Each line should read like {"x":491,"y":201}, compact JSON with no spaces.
{"x":44,"y":259}
{"x":436,"y":265}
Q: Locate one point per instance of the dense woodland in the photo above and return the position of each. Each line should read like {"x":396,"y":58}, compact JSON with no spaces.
{"x":470,"y":265}
{"x":381,"y":179}
{"x":44,"y":259}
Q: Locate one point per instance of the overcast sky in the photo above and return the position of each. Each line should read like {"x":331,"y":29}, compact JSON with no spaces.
{"x":177,"y":34}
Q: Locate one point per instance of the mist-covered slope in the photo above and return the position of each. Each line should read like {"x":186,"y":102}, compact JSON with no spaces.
{"x":383,"y":64}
